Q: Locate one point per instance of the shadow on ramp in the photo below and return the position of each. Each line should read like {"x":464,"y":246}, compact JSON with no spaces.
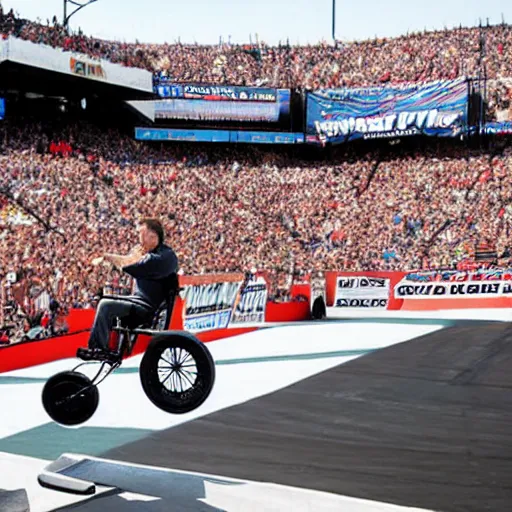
{"x":14,"y":501}
{"x":155,"y":489}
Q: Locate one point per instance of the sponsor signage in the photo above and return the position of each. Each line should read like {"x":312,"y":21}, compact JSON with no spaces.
{"x":252,"y":304}
{"x":217,"y":92}
{"x":84,"y":67}
{"x":175,"y":134}
{"x":362,"y":292}
{"x":209,"y":306}
{"x":467,"y":289}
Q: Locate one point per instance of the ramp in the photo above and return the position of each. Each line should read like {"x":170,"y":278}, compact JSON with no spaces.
{"x":14,"y":501}
{"x":135,"y":487}
{"x":425,"y":423}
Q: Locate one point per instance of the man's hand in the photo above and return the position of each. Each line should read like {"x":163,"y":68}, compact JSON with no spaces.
{"x":97,"y":261}
{"x":119,"y":261}
{"x":137,"y":252}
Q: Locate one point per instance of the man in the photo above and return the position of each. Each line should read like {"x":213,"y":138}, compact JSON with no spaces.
{"x":150,"y":263}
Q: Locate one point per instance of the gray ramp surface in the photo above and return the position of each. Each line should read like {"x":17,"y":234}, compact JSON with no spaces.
{"x":426,"y":423}
{"x":14,"y":501}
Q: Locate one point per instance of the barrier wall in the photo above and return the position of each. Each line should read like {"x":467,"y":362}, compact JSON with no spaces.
{"x":420,"y":291}
{"x":33,"y":353}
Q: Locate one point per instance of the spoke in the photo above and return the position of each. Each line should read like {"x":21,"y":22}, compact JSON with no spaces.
{"x":170,"y":375}
{"x":168,"y":362}
{"x":179,"y":388}
{"x":188,"y":371}
{"x":186,"y":378}
{"x":188,"y":358}
{"x":187,"y":355}
{"x":165,"y":368}
{"x":187,"y":365}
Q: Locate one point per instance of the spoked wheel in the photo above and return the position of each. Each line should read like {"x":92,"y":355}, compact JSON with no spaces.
{"x":69,"y":398}
{"x":177,"y":372}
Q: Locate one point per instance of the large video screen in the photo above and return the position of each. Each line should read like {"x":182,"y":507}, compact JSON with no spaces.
{"x":2,"y":108}
{"x":210,"y":103}
{"x":204,"y":110}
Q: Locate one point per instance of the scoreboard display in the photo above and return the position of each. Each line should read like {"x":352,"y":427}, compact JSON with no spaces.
{"x":211,"y":103}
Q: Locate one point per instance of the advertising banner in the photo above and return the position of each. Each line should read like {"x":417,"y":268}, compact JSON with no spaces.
{"x":498,"y":128}
{"x":362,"y":292}
{"x":455,"y":284}
{"x":217,"y":92}
{"x":435,"y":109}
{"x":252,"y":304}
{"x":209,"y":305}
{"x":232,"y":136}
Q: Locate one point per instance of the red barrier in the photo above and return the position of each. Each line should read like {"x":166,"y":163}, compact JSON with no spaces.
{"x":80,"y":319}
{"x":34,"y":353}
{"x":301,"y":289}
{"x":287,"y":311}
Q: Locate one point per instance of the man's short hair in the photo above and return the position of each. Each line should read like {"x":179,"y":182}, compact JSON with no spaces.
{"x":156,"y":226}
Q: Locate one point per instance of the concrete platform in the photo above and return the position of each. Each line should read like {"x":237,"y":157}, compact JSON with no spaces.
{"x":425,"y":423}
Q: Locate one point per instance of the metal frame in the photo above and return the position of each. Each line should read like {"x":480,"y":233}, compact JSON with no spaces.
{"x":79,"y":6}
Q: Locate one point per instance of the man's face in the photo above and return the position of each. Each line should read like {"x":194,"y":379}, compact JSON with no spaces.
{"x":147,"y":238}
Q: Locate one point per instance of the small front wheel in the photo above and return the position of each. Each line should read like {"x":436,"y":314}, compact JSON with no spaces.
{"x":70,"y":398}
{"x":177,"y":372}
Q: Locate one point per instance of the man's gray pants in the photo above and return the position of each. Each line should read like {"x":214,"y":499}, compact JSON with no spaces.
{"x":111,"y":308}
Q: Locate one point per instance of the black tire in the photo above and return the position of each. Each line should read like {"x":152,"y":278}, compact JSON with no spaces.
{"x":173,"y":389}
{"x":76,"y":410}
{"x":318,"y":310}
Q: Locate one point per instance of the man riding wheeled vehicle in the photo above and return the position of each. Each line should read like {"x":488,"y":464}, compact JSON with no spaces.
{"x":153,"y":265}
{"x":177,"y":371}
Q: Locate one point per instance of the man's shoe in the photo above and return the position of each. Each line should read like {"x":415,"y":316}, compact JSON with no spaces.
{"x":96,"y":354}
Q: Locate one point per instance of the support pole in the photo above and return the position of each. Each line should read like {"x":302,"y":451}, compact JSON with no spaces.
{"x":334,"y":20}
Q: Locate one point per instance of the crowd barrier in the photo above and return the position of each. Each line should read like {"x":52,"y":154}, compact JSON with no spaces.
{"x":207,"y":301}
{"x":221,"y":306}
{"x":418,"y":291}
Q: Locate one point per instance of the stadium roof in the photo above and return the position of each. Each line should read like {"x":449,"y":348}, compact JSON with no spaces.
{"x":40,"y":69}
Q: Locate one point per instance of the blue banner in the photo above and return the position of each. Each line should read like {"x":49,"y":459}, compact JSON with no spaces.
{"x":2,"y":108}
{"x":498,"y":128}
{"x":435,"y":109}
{"x":252,"y":137}
{"x":218,"y":92}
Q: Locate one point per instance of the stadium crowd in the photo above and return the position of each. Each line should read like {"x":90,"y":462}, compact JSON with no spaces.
{"x":414,"y":57}
{"x":232,"y":210}
{"x":69,"y":196}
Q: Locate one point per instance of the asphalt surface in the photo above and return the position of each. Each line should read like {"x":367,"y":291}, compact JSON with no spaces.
{"x":426,"y":423}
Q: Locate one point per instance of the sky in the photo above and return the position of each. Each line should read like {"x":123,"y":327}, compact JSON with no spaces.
{"x":272,"y":21}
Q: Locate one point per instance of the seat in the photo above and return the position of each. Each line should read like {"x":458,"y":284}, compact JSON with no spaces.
{"x":161,"y":317}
